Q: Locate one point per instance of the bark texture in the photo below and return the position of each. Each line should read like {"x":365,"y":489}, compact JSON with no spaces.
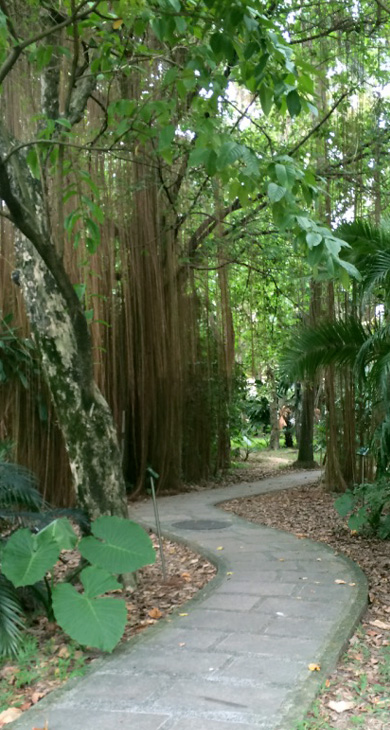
{"x":87,"y":424}
{"x":61,"y":330}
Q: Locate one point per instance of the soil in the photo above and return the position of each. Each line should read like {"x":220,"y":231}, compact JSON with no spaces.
{"x":359,"y":686}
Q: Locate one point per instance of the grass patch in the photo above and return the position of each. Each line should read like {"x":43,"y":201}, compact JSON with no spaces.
{"x":38,"y":669}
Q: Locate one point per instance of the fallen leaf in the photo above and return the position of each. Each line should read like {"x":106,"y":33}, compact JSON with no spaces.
{"x":25,"y":706}
{"x":36,"y":696}
{"x":154,"y":613}
{"x":341,"y":706}
{"x":220,"y":547}
{"x":380,"y":624}
{"x":339,"y":581}
{"x":230,"y":572}
{"x":9,"y":715}
{"x":351,"y":584}
{"x":314,"y":667}
{"x":183,"y":614}
{"x":64,"y":652}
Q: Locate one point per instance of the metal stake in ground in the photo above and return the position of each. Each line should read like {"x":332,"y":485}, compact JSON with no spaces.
{"x":152,"y":476}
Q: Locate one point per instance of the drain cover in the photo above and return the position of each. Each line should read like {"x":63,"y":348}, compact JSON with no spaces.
{"x":201,"y":525}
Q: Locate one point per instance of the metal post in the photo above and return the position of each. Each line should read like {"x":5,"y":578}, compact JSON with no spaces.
{"x":152,"y":474}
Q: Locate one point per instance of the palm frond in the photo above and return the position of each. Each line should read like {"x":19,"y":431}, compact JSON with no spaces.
{"x":377,"y":271}
{"x":11,"y":618}
{"x":365,"y":238}
{"x":375,"y":347}
{"x":311,"y":348}
{"x":18,"y":487}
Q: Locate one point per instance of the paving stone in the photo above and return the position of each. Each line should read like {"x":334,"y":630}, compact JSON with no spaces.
{"x":271,"y":646}
{"x":263,"y":700}
{"x":225,"y":620}
{"x":199,"y":723}
{"x":232,"y":602}
{"x":258,"y":589}
{"x":192,"y":637}
{"x":304,"y":627}
{"x":81,"y":719}
{"x":259,"y":668}
{"x":178,"y":661}
{"x":113,"y":687}
{"x":295,"y":607}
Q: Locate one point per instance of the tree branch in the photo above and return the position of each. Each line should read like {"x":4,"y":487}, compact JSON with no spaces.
{"x":20,"y":47}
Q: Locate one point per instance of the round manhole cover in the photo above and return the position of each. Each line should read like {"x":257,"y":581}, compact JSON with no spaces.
{"x":202,"y":525}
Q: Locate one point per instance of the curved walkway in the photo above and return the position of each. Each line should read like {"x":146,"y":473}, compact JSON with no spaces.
{"x":236,"y":657}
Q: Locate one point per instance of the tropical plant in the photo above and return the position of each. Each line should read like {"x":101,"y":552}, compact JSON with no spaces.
{"x":367,"y":506}
{"x":357,"y":343}
{"x":116,"y":546}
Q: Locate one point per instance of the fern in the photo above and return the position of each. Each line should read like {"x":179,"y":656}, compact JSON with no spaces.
{"x":11,"y":618}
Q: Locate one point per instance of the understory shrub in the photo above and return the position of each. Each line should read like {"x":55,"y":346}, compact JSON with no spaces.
{"x":29,"y":554}
{"x":367,"y":506}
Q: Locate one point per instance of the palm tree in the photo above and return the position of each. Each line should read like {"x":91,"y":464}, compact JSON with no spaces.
{"x":352,"y":343}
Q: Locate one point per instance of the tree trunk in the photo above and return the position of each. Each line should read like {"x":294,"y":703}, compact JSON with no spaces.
{"x":87,"y":425}
{"x":305,"y":453}
{"x":274,"y":416}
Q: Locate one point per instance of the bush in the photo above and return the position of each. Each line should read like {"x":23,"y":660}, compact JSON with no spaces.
{"x":366,"y":506}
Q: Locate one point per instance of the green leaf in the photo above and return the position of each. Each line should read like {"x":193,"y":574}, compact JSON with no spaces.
{"x":97,"y":581}
{"x":43,"y":56}
{"x":333,"y":246}
{"x":266,"y":99}
{"x":229,"y":153}
{"x":33,"y":162}
{"x":166,"y":136}
{"x":122,"y":546}
{"x":315,"y":255}
{"x":294,"y":105}
{"x":97,"y":622}
{"x":350,"y":269}
{"x":198,"y":156}
{"x":281,"y":174}
{"x":27,"y":557}
{"x":345,"y":504}
{"x":275,"y":192}
{"x":80,"y":290}
{"x":62,"y":532}
{"x":313,"y":239}
{"x":211,"y":163}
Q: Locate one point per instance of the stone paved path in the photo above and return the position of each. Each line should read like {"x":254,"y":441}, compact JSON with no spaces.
{"x":238,"y":658}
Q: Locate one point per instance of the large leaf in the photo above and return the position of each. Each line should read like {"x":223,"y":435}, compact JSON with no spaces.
{"x":62,"y":532}
{"x":98,"y":622}
{"x":275,"y":192}
{"x":97,"y":581}
{"x":27,"y":557}
{"x":123,"y":546}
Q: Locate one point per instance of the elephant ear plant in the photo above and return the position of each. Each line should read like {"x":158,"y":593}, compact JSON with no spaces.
{"x":116,"y":546}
